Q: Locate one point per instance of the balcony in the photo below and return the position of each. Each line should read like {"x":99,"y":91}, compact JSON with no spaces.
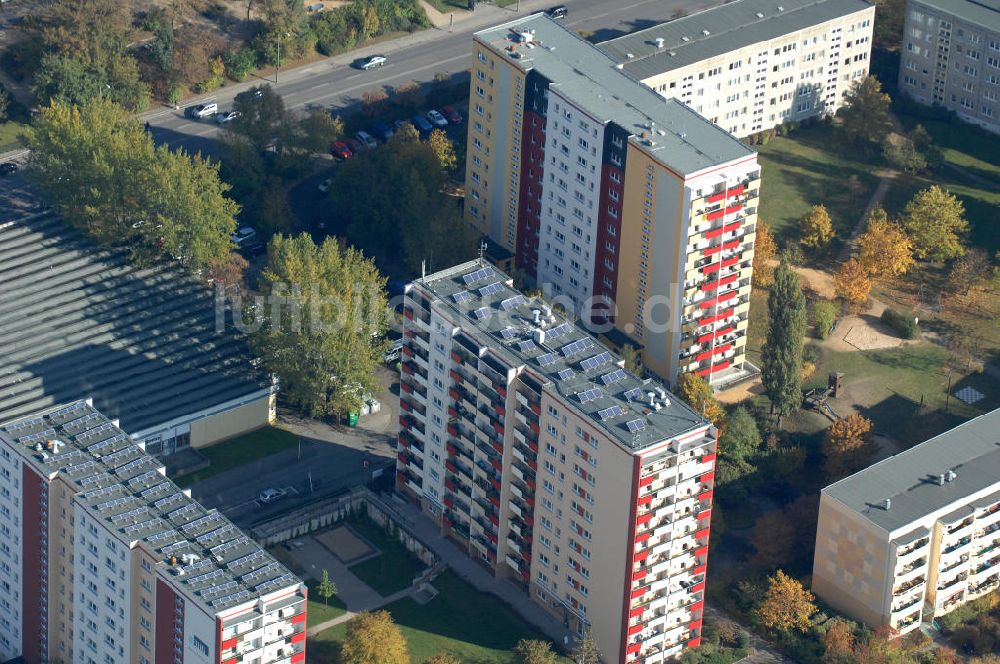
{"x":909,"y":585}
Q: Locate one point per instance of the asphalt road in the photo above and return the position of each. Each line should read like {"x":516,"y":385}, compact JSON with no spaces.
{"x":333,"y":84}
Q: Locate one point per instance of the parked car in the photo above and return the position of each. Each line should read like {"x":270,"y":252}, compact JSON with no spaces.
{"x":324,"y":186}
{"x":366,"y":139}
{"x":436,"y":119}
{"x":354,"y":144}
{"x":381,"y":130}
{"x":373,"y":62}
{"x":9,"y":168}
{"x":244,"y":237}
{"x":399,"y":124}
{"x":394,"y":352}
{"x":421,"y":123}
{"x":202,"y":111}
{"x":223,"y":118}
{"x":341,"y":149}
{"x":559,"y":11}
{"x":271,"y":495}
{"x":450,"y":114}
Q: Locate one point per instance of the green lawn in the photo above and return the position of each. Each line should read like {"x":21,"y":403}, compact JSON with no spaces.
{"x":320,"y":611}
{"x":239,"y":451}
{"x":804,"y":169}
{"x":474,"y":627}
{"x":390,"y":572}
{"x":8,"y":135}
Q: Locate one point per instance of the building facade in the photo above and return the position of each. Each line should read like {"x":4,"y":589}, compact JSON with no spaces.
{"x":751,"y":65}
{"x":951,"y":58}
{"x":916,"y":535}
{"x":553,"y":466}
{"x":104,"y":560}
{"x":628,"y":209}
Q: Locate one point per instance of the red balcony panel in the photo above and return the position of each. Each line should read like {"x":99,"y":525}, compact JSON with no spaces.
{"x":455,"y":376}
{"x":642,"y":537}
{"x":639,"y":557}
{"x":453,"y":393}
{"x":451,"y":467}
{"x":718,"y":350}
{"x":530,"y":501}
{"x":495,"y":501}
{"x":492,"y":537}
{"x":704,"y":372}
{"x":645,"y":500}
{"x":732,"y":244}
{"x":715,"y":232}
{"x":534,"y":427}
{"x":635,"y":629}
{"x":407,"y":351}
{"x":501,"y":411}
{"x":231,"y":660}
{"x":406,"y":387}
{"x":400,"y":476}
{"x":704,"y":514}
{"x":402,"y":456}
{"x":404,"y":441}
{"x":707,"y":495}
{"x":708,"y":457}
{"x":698,"y":587}
{"x":531,"y":484}
{"x":407,"y":368}
{"x":715,"y":198}
{"x":695,"y":642}
{"x":452,"y":430}
{"x":697,"y":606}
{"x":634,"y":648}
{"x":735,"y":207}
{"x":736,"y":191}
{"x":406,"y":406}
{"x":701,"y":533}
{"x":450,"y":484}
{"x":643,"y":518}
{"x":498,"y":428}
{"x":300,"y":618}
{"x":735,"y":226}
{"x":706,"y":477}
{"x":700,"y":569}
{"x":496,"y":465}
{"x":452,"y":411}
{"x":502,"y":391}
{"x":713,"y":284}
{"x":452,"y":450}
{"x":701,"y":551}
{"x":636,"y":594}
{"x":711,"y":251}
{"x":408,"y":312}
{"x":449,"y":502}
{"x":408,"y":334}
{"x":639,"y":576}
{"x":646,"y":481}
{"x":717,"y":214}
{"x":536,"y":408}
{"x":404,"y":421}
{"x":722,"y":365}
{"x":636,"y":612}
{"x":497,"y":446}
{"x":494,"y":519}
{"x":229,"y":643}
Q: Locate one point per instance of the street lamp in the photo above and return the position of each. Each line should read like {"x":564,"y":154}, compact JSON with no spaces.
{"x":277,"y":63}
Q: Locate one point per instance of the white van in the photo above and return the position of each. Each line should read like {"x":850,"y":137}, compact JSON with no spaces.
{"x":203,"y":111}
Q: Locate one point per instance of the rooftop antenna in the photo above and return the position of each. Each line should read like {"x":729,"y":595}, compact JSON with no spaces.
{"x":423,"y":270}
{"x":482,"y":250}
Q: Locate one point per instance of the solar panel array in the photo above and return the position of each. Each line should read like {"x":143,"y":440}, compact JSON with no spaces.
{"x":508,"y":333}
{"x":565,"y":373}
{"x":614,"y":376}
{"x":608,"y":413}
{"x":462,"y":296}
{"x":634,"y":394}
{"x":480,"y":313}
{"x":526,"y":345}
{"x":558,"y":331}
{"x":478,"y":275}
{"x":596,"y":361}
{"x":577,"y":346}
{"x":512,"y":302}
{"x":588,"y":395}
{"x":491,"y":289}
{"x":636,"y":425}
{"x":546,"y":359}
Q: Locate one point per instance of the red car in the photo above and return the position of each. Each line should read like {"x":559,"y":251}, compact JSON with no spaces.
{"x":451,"y":115}
{"x":341,"y":149}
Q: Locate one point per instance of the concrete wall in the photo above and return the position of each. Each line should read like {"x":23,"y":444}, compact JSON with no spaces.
{"x":233,"y":422}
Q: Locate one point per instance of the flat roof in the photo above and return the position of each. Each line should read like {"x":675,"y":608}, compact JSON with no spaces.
{"x":118,"y":483}
{"x":720,"y":30}
{"x":910,"y":479}
{"x":681,"y":139}
{"x":983,"y":13}
{"x":78,"y":322}
{"x":570,"y":361}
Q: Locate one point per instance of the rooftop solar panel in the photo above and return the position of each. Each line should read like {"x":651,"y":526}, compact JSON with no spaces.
{"x":589,"y":395}
{"x":526,"y":345}
{"x":633,"y":394}
{"x":635,"y":425}
{"x":480,"y":313}
{"x":613,"y":376}
{"x":508,"y":333}
{"x":558,"y":331}
{"x":512,"y":302}
{"x":596,"y":361}
{"x":565,"y":373}
{"x":491,"y":289}
{"x":461,"y":296}
{"x":546,"y":359}
{"x":608,"y":413}
{"x":478,"y":275}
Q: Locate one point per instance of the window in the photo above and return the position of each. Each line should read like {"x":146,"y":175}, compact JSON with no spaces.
{"x":199,"y":645}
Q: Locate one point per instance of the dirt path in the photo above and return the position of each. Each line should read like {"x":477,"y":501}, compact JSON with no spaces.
{"x":443,"y":19}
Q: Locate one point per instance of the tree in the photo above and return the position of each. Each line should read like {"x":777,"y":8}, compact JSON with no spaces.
{"x":824,"y":314}
{"x":326,"y":588}
{"x":742,"y":440}
{"x":632,"y":359}
{"x":852,"y":284}
{"x":586,"y":650}
{"x":774,"y":540}
{"x":370,"y":23}
{"x":764,"y":250}
{"x":442,"y":658}
{"x":695,"y":391}
{"x":443,"y":149}
{"x":263,"y":118}
{"x":902,"y":153}
{"x":885,"y":250}
{"x":373,"y":102}
{"x":935,"y":222}
{"x":888,"y":29}
{"x":865,"y":113}
{"x":787,"y":605}
{"x":970,"y":273}
{"x":781,"y":355}
{"x":838,"y":643}
{"x":817,"y":229}
{"x":4,"y":104}
{"x":534,"y":651}
{"x":99,"y":167}
{"x":323,"y":341}
{"x":848,"y":446}
{"x":228,"y":271}
{"x":373,"y":638}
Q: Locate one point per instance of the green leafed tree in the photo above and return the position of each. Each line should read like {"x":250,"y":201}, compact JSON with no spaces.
{"x":534,"y":651}
{"x":781,"y":355}
{"x":935,"y":222}
{"x":321,"y":333}
{"x":99,"y":167}
{"x":865,"y":113}
{"x":373,"y":638}
{"x":326,"y":588}
{"x":586,"y":650}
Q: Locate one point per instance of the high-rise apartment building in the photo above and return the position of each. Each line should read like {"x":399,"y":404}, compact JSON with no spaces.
{"x":916,"y":535}
{"x":103,"y":560}
{"x":630,"y":209}
{"x":951,"y":57}
{"x":556,"y":468}
{"x":750,"y":65}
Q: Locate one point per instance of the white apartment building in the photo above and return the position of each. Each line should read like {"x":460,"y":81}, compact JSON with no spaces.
{"x":750,"y":65}
{"x":107,"y":561}
{"x":553,"y":466}
{"x":951,"y":58}
{"x":915,"y":535}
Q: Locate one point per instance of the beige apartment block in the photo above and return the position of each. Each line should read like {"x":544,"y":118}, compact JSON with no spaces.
{"x":630,"y":210}
{"x":552,"y":466}
{"x":750,"y":65}
{"x":951,"y":58}
{"x":916,"y":535}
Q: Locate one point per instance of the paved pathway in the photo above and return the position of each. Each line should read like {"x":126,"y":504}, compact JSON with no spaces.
{"x":885,"y":181}
{"x":382,"y":601}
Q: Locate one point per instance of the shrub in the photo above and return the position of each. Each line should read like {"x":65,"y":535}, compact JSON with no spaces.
{"x":902,"y":323}
{"x":239,"y":63}
{"x":824,"y":314}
